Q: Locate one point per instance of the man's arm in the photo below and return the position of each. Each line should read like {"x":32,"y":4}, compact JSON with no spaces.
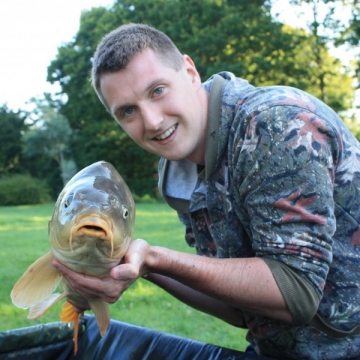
{"x":198,"y":300}
{"x":243,"y":284}
{"x":246,"y":284}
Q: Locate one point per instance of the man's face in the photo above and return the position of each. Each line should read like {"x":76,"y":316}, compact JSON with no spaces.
{"x":161,"y":109}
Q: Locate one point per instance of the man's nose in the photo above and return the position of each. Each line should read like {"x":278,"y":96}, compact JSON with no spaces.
{"x":152,"y":117}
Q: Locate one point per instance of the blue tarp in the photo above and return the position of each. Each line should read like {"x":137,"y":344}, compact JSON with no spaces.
{"x":122,"y":341}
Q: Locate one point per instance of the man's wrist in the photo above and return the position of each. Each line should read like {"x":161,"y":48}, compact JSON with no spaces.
{"x":156,"y":260}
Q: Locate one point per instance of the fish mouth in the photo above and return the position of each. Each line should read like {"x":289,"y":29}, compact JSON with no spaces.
{"x":92,"y":230}
{"x":93,"y":226}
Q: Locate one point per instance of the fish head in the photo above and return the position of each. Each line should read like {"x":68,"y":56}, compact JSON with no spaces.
{"x":93,"y":219}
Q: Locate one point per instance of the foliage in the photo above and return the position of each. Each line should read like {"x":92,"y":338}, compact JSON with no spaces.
{"x":326,"y":78}
{"x":21,"y":189}
{"x":336,"y":23}
{"x":50,"y":136}
{"x":143,"y":304}
{"x":48,"y":170}
{"x":145,"y":199}
{"x":12,"y":124}
{"x":351,"y":34}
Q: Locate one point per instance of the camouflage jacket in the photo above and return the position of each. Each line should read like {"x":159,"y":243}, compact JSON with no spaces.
{"x":281,"y":182}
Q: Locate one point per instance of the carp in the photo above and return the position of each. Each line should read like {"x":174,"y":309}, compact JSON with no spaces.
{"x":90,"y":231}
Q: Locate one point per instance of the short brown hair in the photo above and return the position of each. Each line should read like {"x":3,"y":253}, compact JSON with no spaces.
{"x":120,"y":46}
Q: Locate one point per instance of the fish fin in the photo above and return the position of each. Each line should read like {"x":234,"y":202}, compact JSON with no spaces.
{"x":37,"y":283}
{"x":40,"y":308}
{"x":101,"y":312}
{"x":69,"y":314}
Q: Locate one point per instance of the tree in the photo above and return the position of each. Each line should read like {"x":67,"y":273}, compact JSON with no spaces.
{"x":12,"y":125}
{"x":327,"y":77}
{"x":50,"y":136}
{"x":350,"y":35}
{"x":334,"y":23}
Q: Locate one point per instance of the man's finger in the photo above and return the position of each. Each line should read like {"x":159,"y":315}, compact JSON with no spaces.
{"x":124,"y":272}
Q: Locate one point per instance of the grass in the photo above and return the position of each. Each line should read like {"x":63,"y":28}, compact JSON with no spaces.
{"x":23,"y":239}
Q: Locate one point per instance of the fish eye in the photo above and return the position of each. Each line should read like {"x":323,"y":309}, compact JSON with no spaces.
{"x":125,"y":213}
{"x":68,"y":200}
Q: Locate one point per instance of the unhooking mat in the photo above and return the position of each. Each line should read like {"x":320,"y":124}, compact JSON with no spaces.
{"x":122,"y":341}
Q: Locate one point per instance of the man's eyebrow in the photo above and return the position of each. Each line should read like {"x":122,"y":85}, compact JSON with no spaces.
{"x":153,"y":83}
{"x":146,"y":89}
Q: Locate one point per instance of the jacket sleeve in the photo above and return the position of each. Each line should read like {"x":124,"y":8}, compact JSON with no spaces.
{"x":284,"y":170}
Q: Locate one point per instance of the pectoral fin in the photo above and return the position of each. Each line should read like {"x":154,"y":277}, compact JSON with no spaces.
{"x":101,"y":312}
{"x":38,"y":282}
{"x":40,"y":308}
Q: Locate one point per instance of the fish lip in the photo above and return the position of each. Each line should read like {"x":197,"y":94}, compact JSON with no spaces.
{"x":93,"y":225}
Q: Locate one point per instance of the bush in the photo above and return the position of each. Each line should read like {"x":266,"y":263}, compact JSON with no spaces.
{"x":146,"y":199}
{"x":23,"y":190}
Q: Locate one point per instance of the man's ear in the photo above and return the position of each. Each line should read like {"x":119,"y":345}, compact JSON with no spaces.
{"x":190,"y":68}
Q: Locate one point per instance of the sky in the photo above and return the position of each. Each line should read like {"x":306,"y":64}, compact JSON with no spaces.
{"x":31,"y":32}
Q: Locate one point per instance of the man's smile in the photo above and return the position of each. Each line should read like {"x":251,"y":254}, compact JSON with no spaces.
{"x":167,"y":133}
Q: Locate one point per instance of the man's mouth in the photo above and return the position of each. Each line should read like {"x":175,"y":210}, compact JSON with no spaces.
{"x":167,"y":133}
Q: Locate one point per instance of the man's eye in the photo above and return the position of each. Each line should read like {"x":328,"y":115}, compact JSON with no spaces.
{"x":128,"y":111}
{"x":158,"y":91}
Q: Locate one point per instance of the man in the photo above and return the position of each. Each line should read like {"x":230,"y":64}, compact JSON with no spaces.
{"x":266,"y":182}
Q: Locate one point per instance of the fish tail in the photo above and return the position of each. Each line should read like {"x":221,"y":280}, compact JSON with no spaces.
{"x":69,"y":314}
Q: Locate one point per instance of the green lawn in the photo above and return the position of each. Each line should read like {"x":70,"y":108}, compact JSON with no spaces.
{"x":23,"y":238}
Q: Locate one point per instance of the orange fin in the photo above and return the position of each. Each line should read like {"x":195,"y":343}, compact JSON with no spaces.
{"x":69,"y":314}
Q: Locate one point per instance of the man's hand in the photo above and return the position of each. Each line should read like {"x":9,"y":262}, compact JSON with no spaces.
{"x":110,"y":288}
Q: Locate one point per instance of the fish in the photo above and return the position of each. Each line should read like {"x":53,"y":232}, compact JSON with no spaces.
{"x":90,"y":231}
